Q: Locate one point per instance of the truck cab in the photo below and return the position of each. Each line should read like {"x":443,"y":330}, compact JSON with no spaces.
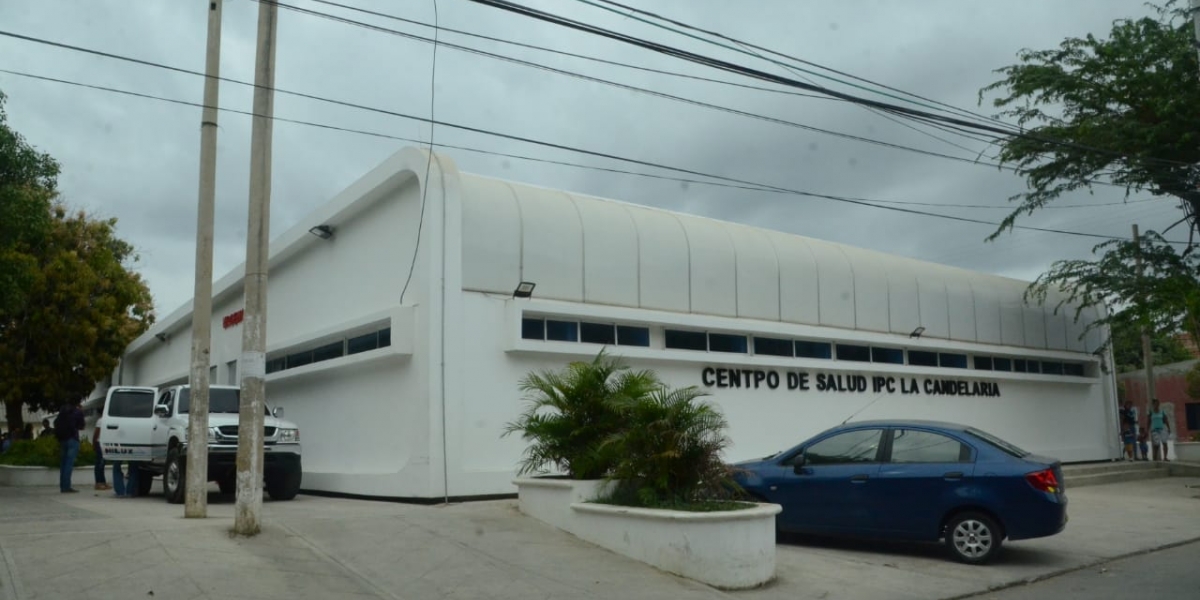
{"x":149,"y":427}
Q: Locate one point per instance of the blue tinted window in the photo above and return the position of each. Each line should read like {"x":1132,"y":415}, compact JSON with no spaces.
{"x":277,"y":364}
{"x":533,"y":329}
{"x":922,"y":358}
{"x":1002,"y":364}
{"x":385,"y":337}
{"x":956,"y":361}
{"x":723,"y":342}
{"x":1052,"y":368}
{"x":1074,"y":369}
{"x":887,"y":355}
{"x":1033,"y":366}
{"x":772,"y":346}
{"x":813,"y":349}
{"x":362,"y":343}
{"x":299,"y":359}
{"x":983,"y":363}
{"x":328,"y":351}
{"x":855,"y":353}
{"x":1020,"y":366}
{"x":633,"y":336}
{"x":597,"y":333}
{"x":562,"y":331}
{"x":686,"y":340}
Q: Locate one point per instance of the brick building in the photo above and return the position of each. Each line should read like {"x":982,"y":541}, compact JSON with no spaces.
{"x":1170,"y":383}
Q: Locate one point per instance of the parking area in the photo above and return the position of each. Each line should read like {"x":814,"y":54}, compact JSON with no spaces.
{"x":94,"y":546}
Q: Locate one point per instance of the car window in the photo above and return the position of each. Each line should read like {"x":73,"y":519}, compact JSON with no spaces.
{"x":997,"y":442}
{"x":914,"y":446}
{"x":849,"y":447}
{"x":131,"y":404}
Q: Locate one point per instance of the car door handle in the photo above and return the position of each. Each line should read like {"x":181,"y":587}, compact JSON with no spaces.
{"x":953,"y":476}
{"x":859,"y":479}
{"x":111,"y":426}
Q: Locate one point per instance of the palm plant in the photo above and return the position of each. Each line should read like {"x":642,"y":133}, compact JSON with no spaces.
{"x":570,"y":413}
{"x":669,"y":450}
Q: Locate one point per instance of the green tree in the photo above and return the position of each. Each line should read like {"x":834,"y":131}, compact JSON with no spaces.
{"x":1127,"y":348}
{"x":27,"y":187}
{"x":83,"y":307}
{"x":1124,"y":110}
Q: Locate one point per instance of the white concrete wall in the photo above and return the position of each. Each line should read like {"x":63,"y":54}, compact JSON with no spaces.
{"x":366,"y":421}
{"x":1064,"y":417}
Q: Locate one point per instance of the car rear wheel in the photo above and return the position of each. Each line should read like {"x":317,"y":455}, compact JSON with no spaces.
{"x":973,"y":538}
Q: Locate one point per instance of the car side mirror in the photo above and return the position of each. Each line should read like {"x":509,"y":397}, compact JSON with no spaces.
{"x":277,"y":412}
{"x":162,"y":411}
{"x":798,"y":464}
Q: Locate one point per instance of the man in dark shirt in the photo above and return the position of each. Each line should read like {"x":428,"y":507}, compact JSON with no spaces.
{"x":67,"y":427}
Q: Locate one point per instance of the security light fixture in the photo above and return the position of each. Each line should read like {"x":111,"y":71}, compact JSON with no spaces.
{"x":917,"y":332}
{"x":524,"y":289}
{"x":162,"y":337}
{"x":322,"y":231}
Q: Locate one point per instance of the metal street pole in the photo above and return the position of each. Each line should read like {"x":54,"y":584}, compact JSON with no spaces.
{"x":1147,"y":349}
{"x":248,"y":508}
{"x":196,"y":485}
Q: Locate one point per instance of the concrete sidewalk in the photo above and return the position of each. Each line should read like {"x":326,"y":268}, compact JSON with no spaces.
{"x":92,"y":545}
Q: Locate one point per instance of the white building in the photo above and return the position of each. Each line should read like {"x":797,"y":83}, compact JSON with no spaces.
{"x":402,"y":387}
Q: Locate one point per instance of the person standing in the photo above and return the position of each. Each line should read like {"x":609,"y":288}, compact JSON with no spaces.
{"x":66,"y":428}
{"x":1129,"y":422}
{"x":1160,"y":428}
{"x":122,"y":486}
{"x":47,"y":430}
{"x":101,"y":483}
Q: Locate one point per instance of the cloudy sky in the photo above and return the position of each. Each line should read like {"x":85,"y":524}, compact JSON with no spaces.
{"x":137,"y":159}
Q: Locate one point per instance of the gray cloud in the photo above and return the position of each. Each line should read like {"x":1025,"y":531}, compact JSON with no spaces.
{"x":136,"y":159}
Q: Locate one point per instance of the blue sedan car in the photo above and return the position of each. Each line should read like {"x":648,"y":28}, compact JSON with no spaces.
{"x":912,"y":480}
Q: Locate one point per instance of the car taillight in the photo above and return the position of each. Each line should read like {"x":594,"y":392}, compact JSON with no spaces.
{"x":1043,"y":481}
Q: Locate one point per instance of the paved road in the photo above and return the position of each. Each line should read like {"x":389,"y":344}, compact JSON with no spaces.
{"x":1170,"y":573}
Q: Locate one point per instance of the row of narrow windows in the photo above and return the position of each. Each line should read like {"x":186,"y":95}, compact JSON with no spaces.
{"x":344,"y":347}
{"x":562,"y":330}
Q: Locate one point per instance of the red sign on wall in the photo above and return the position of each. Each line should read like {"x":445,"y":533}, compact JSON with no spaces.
{"x":232,"y":320}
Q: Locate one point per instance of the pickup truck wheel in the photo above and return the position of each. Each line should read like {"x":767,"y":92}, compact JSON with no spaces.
{"x":175,"y":476}
{"x":145,"y":482}
{"x":284,"y":485}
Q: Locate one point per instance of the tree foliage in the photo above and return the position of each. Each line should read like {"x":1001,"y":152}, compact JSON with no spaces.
{"x":1127,"y":348}
{"x":27,"y":185}
{"x":72,"y":302}
{"x":1121,"y":109}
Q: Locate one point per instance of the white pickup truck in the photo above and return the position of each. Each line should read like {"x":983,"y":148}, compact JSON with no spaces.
{"x":148,"y":427}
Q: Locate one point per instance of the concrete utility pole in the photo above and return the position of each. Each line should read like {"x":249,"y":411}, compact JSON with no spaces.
{"x":1147,"y":350}
{"x":253,"y":368}
{"x":196,"y":485}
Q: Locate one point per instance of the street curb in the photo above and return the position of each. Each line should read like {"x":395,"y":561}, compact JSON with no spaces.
{"x":1060,"y":572}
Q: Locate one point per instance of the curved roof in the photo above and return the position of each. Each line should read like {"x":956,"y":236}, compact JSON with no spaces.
{"x":586,"y":249}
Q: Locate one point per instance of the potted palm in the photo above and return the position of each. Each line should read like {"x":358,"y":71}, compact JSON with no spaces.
{"x":662,"y":493}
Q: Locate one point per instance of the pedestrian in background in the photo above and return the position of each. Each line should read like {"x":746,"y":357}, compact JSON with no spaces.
{"x":101,"y":483}
{"x":66,"y":428}
{"x":47,"y":430}
{"x":1160,"y":428}
{"x":1143,"y":445}
{"x":1129,"y":421}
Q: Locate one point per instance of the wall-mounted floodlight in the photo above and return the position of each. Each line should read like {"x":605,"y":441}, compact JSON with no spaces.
{"x":162,"y":337}
{"x":917,"y":332}
{"x":524,"y":289}
{"x":322,"y":231}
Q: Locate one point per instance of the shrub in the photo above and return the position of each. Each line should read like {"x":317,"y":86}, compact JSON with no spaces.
{"x":45,"y":452}
{"x":669,"y":451}
{"x":570,"y":414}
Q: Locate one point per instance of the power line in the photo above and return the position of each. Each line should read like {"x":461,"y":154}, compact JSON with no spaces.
{"x":664,"y":95}
{"x":740,"y":183}
{"x":573,"y":74}
{"x":734,"y":111}
{"x":561,"y":52}
{"x":755,"y":73}
{"x":720,"y":35}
